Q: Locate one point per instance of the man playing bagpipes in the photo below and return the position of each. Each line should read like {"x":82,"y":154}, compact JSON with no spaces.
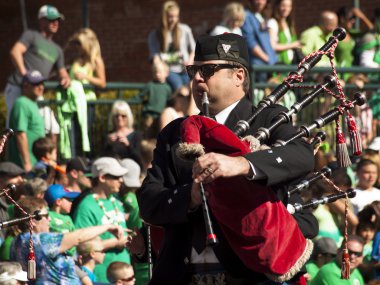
{"x":259,"y":242}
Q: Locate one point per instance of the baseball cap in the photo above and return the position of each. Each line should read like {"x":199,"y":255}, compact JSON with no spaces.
{"x":229,"y":47}
{"x":18,"y":275}
{"x":33,"y":77}
{"x":132,"y":178}
{"x":325,"y":245}
{"x":50,"y":12}
{"x":78,"y":163}
{"x":56,"y":191}
{"x":375,"y":144}
{"x":10,"y":169}
{"x":107,"y":165}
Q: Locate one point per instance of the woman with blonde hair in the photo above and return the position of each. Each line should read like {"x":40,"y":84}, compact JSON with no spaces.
{"x":233,"y":19}
{"x":173,"y":43}
{"x":123,"y":141}
{"x":85,"y":59}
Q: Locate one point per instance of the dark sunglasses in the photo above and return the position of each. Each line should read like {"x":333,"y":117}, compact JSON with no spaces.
{"x":113,"y":177}
{"x":128,"y":279}
{"x":356,"y":253}
{"x":206,"y":70}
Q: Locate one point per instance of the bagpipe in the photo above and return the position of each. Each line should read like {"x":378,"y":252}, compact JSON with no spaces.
{"x":256,"y":224}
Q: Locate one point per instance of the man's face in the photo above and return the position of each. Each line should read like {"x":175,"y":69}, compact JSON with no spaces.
{"x":34,"y":90}
{"x":112,"y":183}
{"x":367,"y":176}
{"x":355,"y":251}
{"x":220,"y":86}
{"x":49,"y":26}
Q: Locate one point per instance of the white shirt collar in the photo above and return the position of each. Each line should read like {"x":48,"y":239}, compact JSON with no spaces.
{"x":222,"y":116}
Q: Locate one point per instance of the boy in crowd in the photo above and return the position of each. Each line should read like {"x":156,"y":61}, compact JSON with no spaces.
{"x":156,"y":95}
{"x":91,"y":253}
{"x":120,"y":273}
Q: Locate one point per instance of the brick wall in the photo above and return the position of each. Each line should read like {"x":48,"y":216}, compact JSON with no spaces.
{"x":123,"y":26}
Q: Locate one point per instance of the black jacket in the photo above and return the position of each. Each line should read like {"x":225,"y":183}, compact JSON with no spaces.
{"x":165,"y":196}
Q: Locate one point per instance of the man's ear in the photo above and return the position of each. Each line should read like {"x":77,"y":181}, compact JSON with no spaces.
{"x":101,"y":178}
{"x":58,"y":202}
{"x":240,"y":76}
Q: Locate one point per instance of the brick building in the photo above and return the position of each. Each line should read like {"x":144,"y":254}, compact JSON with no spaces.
{"x":123,"y":26}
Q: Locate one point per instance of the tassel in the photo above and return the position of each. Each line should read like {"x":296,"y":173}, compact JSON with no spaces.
{"x":356,"y":142}
{"x":345,"y":271}
{"x":31,"y":266}
{"x":341,"y":149}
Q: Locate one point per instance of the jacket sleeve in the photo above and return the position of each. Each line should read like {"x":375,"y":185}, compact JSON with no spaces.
{"x":285,"y":163}
{"x":161,"y":200}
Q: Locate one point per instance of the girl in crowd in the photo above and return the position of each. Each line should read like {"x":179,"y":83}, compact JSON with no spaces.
{"x":282,"y":31}
{"x":233,"y":19}
{"x":173,"y":42}
{"x":123,"y":141}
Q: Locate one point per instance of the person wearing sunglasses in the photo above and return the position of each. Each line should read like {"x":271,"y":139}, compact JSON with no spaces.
{"x":123,"y":140}
{"x":101,"y":206}
{"x":26,"y":121}
{"x":330,"y":273}
{"x":169,"y":196}
{"x":37,"y":50}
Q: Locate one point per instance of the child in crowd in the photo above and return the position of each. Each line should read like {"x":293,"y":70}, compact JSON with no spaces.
{"x":36,"y":187}
{"x":366,"y":193}
{"x":91,"y":253}
{"x":45,"y":152}
{"x":60,"y":201}
{"x":366,"y":230}
{"x":156,"y":95}
{"x":120,"y":273}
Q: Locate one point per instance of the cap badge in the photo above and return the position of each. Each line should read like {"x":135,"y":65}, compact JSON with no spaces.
{"x":226,"y":48}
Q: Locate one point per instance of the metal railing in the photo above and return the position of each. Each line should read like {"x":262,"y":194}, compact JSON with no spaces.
{"x":135,"y":95}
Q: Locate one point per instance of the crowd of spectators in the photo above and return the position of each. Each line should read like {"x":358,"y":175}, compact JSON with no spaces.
{"x":88,"y":200}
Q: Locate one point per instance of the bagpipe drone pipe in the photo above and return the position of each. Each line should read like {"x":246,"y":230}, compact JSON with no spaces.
{"x":258,"y":226}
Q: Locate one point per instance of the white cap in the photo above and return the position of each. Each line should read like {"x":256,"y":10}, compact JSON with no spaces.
{"x":107,"y":165}
{"x":132,"y":178}
{"x":375,"y":144}
{"x":19,"y":276}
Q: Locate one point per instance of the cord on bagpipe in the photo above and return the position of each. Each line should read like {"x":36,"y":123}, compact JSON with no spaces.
{"x":31,"y":271}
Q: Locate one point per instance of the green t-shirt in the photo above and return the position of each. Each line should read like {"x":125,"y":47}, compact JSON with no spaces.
{"x":91,"y":212}
{"x":329,"y":274}
{"x":61,"y":223}
{"x":156,"y":97}
{"x":25,"y":117}
{"x":312,"y":269}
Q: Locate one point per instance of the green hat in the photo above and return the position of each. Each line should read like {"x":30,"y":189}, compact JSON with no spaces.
{"x":50,"y":12}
